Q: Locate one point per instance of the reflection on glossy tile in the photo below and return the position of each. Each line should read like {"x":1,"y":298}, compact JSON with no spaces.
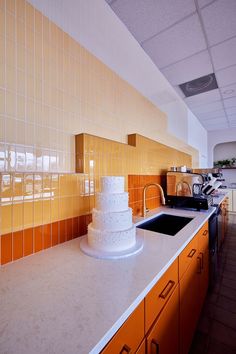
{"x":62,"y":231}
{"x":47,"y":241}
{"x":6,"y":248}
{"x":55,"y":233}
{"x":17,"y":245}
{"x":28,"y":241}
{"x":38,"y":238}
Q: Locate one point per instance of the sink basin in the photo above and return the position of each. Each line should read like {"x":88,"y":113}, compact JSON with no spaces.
{"x":166,"y":224}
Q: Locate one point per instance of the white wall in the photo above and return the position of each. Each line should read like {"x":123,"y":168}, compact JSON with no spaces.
{"x":94,"y":25}
{"x":197,"y":137}
{"x":177,"y":114}
{"x":217,"y":137}
{"x":224,"y":151}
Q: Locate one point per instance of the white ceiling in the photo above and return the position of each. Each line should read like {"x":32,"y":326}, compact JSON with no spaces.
{"x":187,"y":39}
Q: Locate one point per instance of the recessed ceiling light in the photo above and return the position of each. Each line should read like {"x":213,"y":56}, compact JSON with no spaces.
{"x":228,"y":92}
{"x":199,"y":85}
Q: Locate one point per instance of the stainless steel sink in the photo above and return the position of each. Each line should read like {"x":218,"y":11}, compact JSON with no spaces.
{"x":166,"y":224}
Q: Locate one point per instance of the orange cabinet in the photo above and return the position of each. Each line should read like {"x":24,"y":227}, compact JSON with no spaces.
{"x":193,"y":287}
{"x":185,"y":258}
{"x":164,"y":335}
{"x":142,"y":348}
{"x":224,"y":212}
{"x":169,"y":313}
{"x":130,"y":335}
{"x":203,"y":270}
{"x":159,"y":294}
{"x":189,"y":309}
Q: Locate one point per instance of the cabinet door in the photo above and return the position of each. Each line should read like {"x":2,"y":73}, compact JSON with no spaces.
{"x":230,"y":196}
{"x":142,"y":348}
{"x":189,"y":304}
{"x":164,"y":335}
{"x":203,"y":272}
{"x":234,"y":200}
{"x":203,"y":263}
{"x":129,"y":336}
{"x":159,"y":294}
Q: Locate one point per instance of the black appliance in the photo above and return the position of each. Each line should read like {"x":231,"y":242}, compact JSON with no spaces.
{"x":200,"y":202}
{"x":213,"y":247}
{"x":184,"y":190}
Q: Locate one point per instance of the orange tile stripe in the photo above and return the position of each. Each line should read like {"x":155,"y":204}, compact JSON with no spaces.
{"x":22,"y":243}
{"x":136,"y":184}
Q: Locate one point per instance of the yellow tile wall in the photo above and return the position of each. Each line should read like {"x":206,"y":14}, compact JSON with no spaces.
{"x":52,"y":88}
{"x":29,"y":200}
{"x":96,"y":157}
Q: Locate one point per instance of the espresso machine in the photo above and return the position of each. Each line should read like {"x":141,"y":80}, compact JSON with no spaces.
{"x":186,"y":190}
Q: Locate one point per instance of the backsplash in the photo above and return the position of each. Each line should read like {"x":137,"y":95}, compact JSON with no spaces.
{"x":141,"y":161}
{"x":51,"y":88}
{"x":40,"y":210}
{"x":136,"y":184}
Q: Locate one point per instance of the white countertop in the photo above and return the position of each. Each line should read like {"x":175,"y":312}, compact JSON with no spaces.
{"x":62,"y":301}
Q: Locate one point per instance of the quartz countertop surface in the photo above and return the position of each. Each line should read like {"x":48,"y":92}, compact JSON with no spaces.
{"x":63,"y":301}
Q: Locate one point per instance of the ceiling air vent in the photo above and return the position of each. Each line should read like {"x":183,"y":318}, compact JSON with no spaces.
{"x":200,"y":85}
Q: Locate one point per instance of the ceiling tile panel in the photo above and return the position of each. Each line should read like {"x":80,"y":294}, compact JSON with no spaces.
{"x":145,"y":18}
{"x":215,"y":114}
{"x":226,"y":76}
{"x":189,"y":69}
{"x":215,"y":121}
{"x":232,"y":117}
{"x":178,"y":42}
{"x":203,"y":98}
{"x":209,"y":107}
{"x":231,"y":110}
{"x":219,"y":20}
{"x":219,"y":126}
{"x":224,"y":54}
{"x":202,"y":3}
{"x":230,"y":102}
{"x":228,"y":91}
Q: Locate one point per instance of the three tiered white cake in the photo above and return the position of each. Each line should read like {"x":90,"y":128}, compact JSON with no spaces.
{"x":111,"y":229}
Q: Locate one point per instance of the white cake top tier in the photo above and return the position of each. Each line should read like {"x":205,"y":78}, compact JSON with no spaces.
{"x":112,"y":184}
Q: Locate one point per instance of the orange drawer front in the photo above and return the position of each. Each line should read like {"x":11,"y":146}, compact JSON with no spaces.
{"x":159,"y":294}
{"x":142,"y":348}
{"x":203,"y":238}
{"x":130,"y":335}
{"x":187,"y":255}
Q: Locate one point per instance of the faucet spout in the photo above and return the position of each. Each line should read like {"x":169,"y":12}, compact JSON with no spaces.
{"x":144,"y":195}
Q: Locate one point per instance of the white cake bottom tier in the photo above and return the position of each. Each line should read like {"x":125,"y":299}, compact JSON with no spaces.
{"x":108,"y":241}
{"x":112,"y":184}
{"x":112,"y":221}
{"x":112,"y":202}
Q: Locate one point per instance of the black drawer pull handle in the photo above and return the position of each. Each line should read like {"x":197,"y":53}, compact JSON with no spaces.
{"x":125,"y":349}
{"x":205,"y":232}
{"x":192,"y":253}
{"x":165,"y":292}
{"x":201,"y":259}
{"x":154,"y":343}
{"x":200,"y":265}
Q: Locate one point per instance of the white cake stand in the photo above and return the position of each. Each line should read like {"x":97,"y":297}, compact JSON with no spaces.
{"x":85,"y":248}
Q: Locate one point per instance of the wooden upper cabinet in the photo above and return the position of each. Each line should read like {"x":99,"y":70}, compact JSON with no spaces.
{"x":160,"y":293}
{"x":164,"y":335}
{"x":130,"y":335}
